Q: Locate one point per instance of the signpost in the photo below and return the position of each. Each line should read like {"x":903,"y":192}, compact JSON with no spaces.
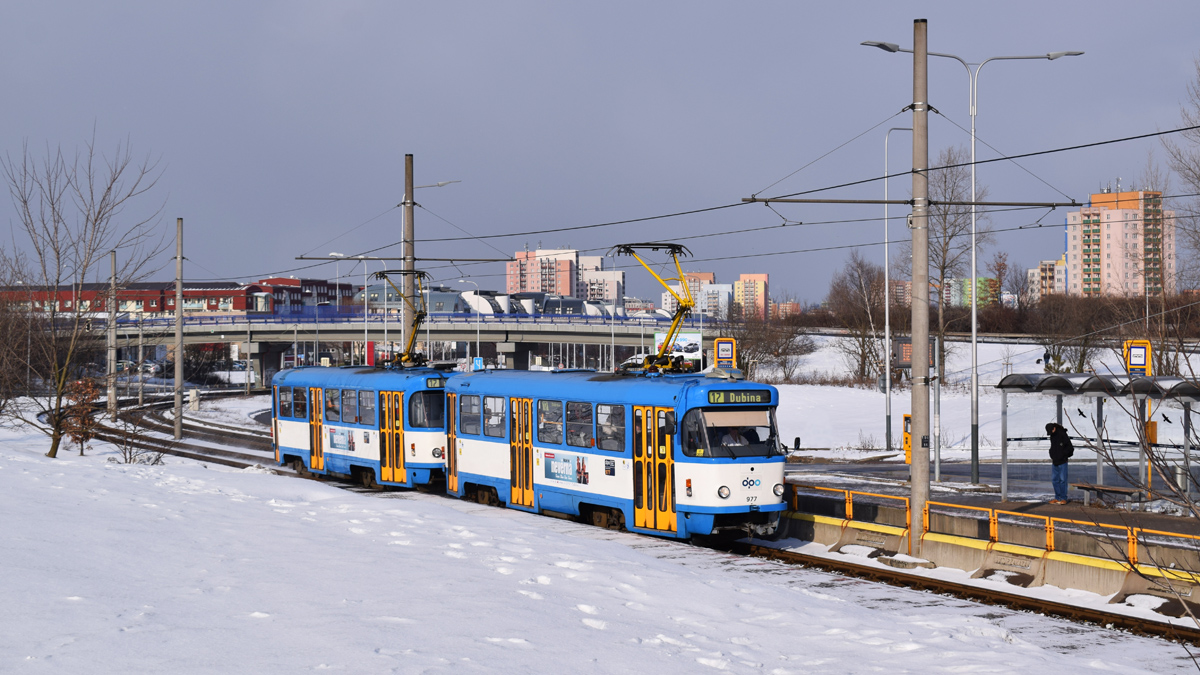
{"x":1137,"y":358}
{"x":726,"y":352}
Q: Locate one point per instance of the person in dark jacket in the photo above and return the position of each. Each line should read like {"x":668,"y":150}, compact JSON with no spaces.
{"x":1060,"y":451}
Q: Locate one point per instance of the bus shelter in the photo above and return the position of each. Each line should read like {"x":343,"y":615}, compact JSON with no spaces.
{"x":1099,"y":387}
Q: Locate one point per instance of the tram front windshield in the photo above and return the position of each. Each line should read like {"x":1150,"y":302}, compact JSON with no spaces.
{"x":748,"y":432}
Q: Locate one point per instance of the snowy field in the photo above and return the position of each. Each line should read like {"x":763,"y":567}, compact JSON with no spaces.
{"x":184,"y":567}
{"x":850,"y":422}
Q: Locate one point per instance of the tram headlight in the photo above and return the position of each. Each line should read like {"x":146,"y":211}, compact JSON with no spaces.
{"x":778,"y":489}
{"x":723,"y":492}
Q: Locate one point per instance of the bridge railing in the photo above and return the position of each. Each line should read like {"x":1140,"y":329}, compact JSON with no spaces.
{"x":351,"y":317}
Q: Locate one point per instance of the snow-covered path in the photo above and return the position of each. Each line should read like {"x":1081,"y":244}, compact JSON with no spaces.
{"x":184,"y":568}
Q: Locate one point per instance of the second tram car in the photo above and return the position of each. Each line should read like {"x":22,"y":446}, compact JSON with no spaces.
{"x":673,"y":455}
{"x":378,"y":426}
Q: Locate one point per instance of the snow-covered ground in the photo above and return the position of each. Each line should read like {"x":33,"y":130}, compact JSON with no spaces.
{"x":850,"y":422}
{"x":110,"y":568}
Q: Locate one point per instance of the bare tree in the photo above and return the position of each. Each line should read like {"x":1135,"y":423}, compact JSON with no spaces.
{"x":1183,"y":158}
{"x":856,"y":300}
{"x":1072,"y":330}
{"x":776,"y":344}
{"x":72,"y":209}
{"x":950,"y":230}
{"x":15,"y":324}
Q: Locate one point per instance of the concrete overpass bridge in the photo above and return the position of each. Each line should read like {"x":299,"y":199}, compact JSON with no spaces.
{"x":571,"y":339}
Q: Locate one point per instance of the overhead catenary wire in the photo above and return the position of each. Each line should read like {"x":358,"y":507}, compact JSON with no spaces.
{"x":737,"y":204}
{"x":864,"y":133}
{"x":993,"y":148}
{"x":1005,"y":158}
{"x":841,"y":221}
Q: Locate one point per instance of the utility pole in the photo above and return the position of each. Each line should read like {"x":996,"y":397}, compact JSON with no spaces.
{"x":112,"y":335}
{"x":409,"y":257}
{"x":141,"y":360}
{"x":178,"y":329}
{"x":919,"y":478}
{"x":249,"y":359}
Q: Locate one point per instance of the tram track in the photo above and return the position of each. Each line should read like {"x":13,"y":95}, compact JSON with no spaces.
{"x":989,"y":596}
{"x":151,"y":417}
{"x":227,"y":435}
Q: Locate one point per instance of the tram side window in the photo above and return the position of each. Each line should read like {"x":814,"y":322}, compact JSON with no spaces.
{"x":666,"y":429}
{"x":285,"y":402}
{"x":579,"y":424}
{"x":639,"y":433}
{"x":468,"y":414}
{"x":550,"y":422}
{"x":610,"y":427}
{"x":300,"y":402}
{"x":333,"y":407}
{"x":695,"y":436}
{"x":493,"y":416}
{"x":349,"y":406}
{"x":366,"y":407}
{"x":426,"y":410}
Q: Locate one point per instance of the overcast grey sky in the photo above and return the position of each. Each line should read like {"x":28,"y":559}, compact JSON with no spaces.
{"x":282,"y":125}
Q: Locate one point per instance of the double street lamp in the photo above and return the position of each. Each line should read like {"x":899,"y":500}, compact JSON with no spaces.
{"x":973,"y":76}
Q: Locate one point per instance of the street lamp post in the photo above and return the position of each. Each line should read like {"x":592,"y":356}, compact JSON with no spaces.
{"x":887,"y":296}
{"x":337,"y":285}
{"x":478,"y":352}
{"x":973,"y":77}
{"x":317,"y":356}
{"x":366,"y":296}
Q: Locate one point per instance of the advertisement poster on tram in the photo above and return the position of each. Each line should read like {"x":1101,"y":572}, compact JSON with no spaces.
{"x":687,"y":344}
{"x":341,"y":440}
{"x":567,"y":467}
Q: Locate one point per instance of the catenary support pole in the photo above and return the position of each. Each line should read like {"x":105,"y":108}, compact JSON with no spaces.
{"x":409,"y":260}
{"x":937,"y":414}
{"x":1187,"y":450}
{"x":112,"y":334}
{"x":1003,"y":445}
{"x":249,"y":359}
{"x":1143,"y":475}
{"x":141,"y":360}
{"x":887,"y":298}
{"x":1099,"y":440}
{"x":178,"y":328}
{"x":920,"y":283}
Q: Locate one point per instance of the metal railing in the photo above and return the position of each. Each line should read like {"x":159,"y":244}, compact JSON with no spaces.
{"x":1049,"y":526}
{"x":848,"y":499}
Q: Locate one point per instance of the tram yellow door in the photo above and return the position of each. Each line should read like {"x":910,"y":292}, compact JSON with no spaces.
{"x":316,"y":430}
{"x":520,"y":451}
{"x":391,"y":437}
{"x":654,"y":468}
{"x":452,"y":443}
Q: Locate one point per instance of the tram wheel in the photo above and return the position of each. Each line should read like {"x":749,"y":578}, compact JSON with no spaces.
{"x":367,"y":478}
{"x":300,"y":469}
{"x":600,"y":518}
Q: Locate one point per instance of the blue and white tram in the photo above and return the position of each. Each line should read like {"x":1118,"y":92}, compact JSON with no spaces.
{"x":674,"y":455}
{"x":384,"y":427}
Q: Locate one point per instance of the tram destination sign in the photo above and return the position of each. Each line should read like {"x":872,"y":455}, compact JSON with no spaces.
{"x":739,"y":397}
